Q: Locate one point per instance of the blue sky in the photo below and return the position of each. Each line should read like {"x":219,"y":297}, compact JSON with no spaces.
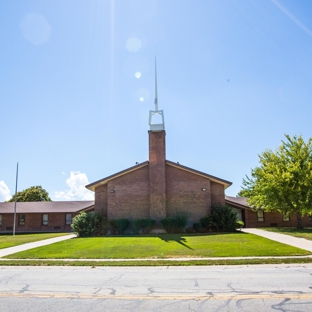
{"x":77,"y":84}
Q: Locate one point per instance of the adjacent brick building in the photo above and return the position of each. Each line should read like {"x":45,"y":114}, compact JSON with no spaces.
{"x":259,"y":218}
{"x":41,"y":216}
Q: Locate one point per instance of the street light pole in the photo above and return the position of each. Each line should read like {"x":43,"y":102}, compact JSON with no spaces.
{"x":15,"y":200}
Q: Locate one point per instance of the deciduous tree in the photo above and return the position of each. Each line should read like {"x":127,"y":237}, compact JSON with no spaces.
{"x":283,"y":180}
{"x":31,"y":194}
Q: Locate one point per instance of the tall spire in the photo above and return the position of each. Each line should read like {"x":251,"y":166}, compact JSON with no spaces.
{"x":156,"y":126}
{"x":156,"y":96}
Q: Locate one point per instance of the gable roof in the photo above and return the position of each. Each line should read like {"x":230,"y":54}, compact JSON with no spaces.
{"x":103,"y":181}
{"x":238,"y":202}
{"x":47,"y":207}
{"x":202,"y":174}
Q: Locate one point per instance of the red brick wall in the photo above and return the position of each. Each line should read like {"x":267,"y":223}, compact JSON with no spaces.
{"x":184,"y":192}
{"x":270,"y":218}
{"x":217,"y":194}
{"x":130,"y":198}
{"x":100,"y":199}
{"x":157,"y":174}
{"x":33,"y":223}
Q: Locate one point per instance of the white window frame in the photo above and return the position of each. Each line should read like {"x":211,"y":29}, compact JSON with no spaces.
{"x":45,"y":219}
{"x":260,"y":215}
{"x":19,"y":219}
{"x":68,"y":221}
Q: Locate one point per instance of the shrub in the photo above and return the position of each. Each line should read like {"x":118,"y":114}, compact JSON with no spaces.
{"x":206,"y":222}
{"x":197,"y":226}
{"x":223,"y":218}
{"x":239,"y":224}
{"x":144,"y":225}
{"x":181,"y":217}
{"x":177,"y":223}
{"x":170,"y":224}
{"x":190,"y":230}
{"x":89,"y":224}
{"x":120,"y":225}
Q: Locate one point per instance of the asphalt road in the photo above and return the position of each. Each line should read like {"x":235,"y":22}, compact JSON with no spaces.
{"x":209,"y":288}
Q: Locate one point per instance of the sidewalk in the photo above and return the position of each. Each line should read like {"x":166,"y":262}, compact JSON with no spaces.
{"x":11,"y":250}
{"x":282,"y":238}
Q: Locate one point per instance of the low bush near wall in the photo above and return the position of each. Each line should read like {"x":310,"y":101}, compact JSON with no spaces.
{"x":89,"y":224}
{"x":170,"y":225}
{"x":206,"y":222}
{"x":143,"y":225}
{"x":177,"y":223}
{"x":223,"y":218}
{"x":120,"y":225}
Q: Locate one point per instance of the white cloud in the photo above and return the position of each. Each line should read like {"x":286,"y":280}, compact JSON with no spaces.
{"x":77,"y":191}
{"x":5,"y":193}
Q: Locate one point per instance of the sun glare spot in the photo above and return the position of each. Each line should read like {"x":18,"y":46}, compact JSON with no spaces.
{"x":133,"y":44}
{"x":138,"y":75}
{"x":143,"y":94}
{"x":35,"y":29}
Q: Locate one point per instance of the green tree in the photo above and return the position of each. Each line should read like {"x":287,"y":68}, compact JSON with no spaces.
{"x":31,"y":194}
{"x":283,"y":181}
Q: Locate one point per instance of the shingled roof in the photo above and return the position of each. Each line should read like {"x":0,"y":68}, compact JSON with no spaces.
{"x":238,"y":202}
{"x":47,"y":207}
{"x":93,"y":185}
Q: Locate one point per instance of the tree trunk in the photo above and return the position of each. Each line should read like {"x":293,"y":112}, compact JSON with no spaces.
{"x":299,"y":221}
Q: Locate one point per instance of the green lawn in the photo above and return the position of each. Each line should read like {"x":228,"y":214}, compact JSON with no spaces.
{"x":305,"y":233}
{"x":18,"y":239}
{"x":162,"y":246}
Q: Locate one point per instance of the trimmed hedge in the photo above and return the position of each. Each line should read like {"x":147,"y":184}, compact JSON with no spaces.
{"x":177,"y":223}
{"x":143,"y":225}
{"x":120,"y":225}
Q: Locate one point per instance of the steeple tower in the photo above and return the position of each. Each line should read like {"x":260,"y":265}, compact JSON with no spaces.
{"x":154,"y":125}
{"x":157,"y":161}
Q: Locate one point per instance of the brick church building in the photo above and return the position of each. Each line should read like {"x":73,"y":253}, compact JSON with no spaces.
{"x":158,"y":187}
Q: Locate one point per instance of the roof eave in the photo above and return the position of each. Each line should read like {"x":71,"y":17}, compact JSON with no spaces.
{"x":95,"y":184}
{"x":202,"y":174}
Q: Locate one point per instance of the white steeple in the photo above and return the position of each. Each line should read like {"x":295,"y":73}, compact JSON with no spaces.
{"x":156,"y":113}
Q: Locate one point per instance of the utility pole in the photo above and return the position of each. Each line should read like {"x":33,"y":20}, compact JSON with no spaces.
{"x":15,"y":200}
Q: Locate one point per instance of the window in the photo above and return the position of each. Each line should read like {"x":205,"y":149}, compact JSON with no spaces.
{"x":260,"y":215}
{"x":0,"y":219}
{"x":21,"y":219}
{"x":310,"y":217}
{"x":45,"y":219}
{"x":68,"y":219}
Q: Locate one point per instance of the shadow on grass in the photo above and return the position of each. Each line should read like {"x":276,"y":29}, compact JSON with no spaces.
{"x":180,"y":239}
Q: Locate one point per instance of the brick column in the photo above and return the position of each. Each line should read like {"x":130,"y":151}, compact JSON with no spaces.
{"x":157,"y":174}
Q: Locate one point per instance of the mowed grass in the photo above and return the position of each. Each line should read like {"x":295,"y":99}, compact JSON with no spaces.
{"x":10,"y":240}
{"x":161,"y":247}
{"x":304,"y":233}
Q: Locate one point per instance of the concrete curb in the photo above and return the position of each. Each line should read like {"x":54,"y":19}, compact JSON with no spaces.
{"x":164,"y":259}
